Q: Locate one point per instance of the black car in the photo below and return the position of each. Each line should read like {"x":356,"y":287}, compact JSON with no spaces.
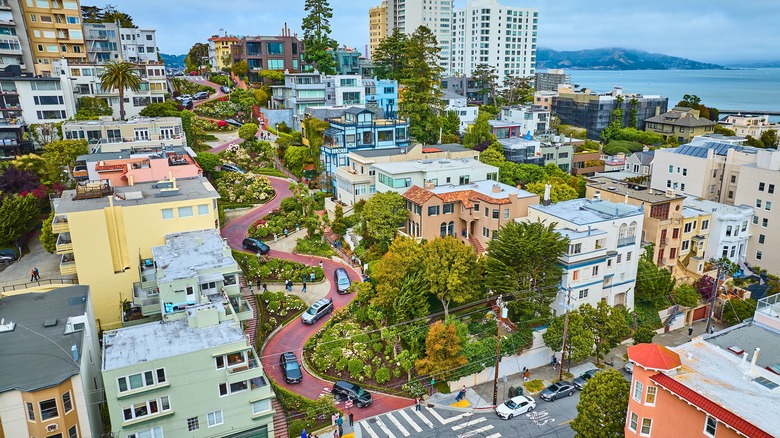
{"x":225,"y":89}
{"x":187,"y":103}
{"x":557,"y":390}
{"x":255,"y":245}
{"x":317,"y":311}
{"x":342,"y":280}
{"x":583,"y":378}
{"x":344,"y":390}
{"x":229,"y":167}
{"x":234,"y":122}
{"x":290,"y":367}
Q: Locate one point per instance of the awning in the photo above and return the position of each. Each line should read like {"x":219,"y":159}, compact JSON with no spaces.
{"x":214,"y":276}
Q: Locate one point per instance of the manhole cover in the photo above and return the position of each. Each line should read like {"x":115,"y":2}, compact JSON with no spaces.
{"x":372,"y":420}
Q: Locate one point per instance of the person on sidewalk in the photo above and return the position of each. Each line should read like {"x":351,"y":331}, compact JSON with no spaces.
{"x":265,"y":287}
{"x":304,"y":286}
{"x":690,"y":330}
{"x":285,"y":232}
{"x":32,"y":274}
{"x":333,"y":419}
{"x":526,"y":374}
{"x":37,"y":275}
{"x":461,"y":394}
{"x":712,"y":329}
{"x":352,"y":419}
{"x":416,"y":404}
{"x":339,"y":421}
{"x":554,"y":362}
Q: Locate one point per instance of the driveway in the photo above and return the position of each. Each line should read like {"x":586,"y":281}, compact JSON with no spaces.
{"x":48,"y":265}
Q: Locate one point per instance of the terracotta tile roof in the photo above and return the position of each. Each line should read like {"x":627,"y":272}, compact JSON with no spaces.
{"x":654,"y":356}
{"x":431,"y":150}
{"x":418,"y":195}
{"x":722,"y":414}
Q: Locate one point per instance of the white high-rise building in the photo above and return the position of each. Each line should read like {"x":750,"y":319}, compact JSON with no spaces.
{"x":408,"y":15}
{"x":485,"y":32}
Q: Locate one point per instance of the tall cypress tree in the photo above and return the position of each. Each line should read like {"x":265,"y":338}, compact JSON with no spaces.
{"x":316,"y":36}
{"x":420,"y":94}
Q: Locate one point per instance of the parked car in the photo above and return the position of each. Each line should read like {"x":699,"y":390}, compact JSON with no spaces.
{"x":200,"y":95}
{"x":187,"y":103}
{"x":230,"y":167}
{"x":349,"y":391}
{"x":557,"y":390}
{"x":255,"y":245}
{"x":7,"y":255}
{"x":193,"y":73}
{"x":234,"y":122}
{"x":225,"y":89}
{"x":515,"y":406}
{"x":290,"y":367}
{"x":317,"y":311}
{"x":583,"y":378}
{"x":342,"y":280}
{"x":184,"y":97}
{"x":629,"y":368}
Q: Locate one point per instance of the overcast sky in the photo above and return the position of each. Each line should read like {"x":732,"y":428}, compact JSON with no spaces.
{"x":721,"y":31}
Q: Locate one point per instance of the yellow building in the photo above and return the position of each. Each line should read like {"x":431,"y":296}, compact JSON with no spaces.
{"x":679,"y":124}
{"x":219,"y":49}
{"x":54,"y":31}
{"x":377,"y":26}
{"x":106,"y":233}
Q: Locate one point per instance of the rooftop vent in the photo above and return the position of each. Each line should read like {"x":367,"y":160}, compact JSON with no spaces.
{"x":766,"y":383}
{"x":50,"y":323}
{"x":612,"y":188}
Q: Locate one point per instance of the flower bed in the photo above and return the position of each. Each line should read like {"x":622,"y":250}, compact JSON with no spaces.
{"x":246,"y":159}
{"x":270,"y":269}
{"x":244,"y":188}
{"x":213,"y":125}
{"x":276,"y":308}
{"x":184,"y":86}
{"x":220,"y":108}
{"x":275,"y":222}
{"x":314,"y":247}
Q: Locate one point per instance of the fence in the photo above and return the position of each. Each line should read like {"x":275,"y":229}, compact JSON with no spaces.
{"x":23,"y":286}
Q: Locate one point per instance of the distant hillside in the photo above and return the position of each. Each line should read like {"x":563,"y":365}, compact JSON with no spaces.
{"x":616,"y":59}
{"x":757,"y":64}
{"x":173,"y":61}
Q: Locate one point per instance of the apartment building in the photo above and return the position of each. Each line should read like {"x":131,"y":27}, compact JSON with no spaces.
{"x":344,"y":90}
{"x":138,"y":135}
{"x":347,"y":60}
{"x":721,"y":385}
{"x":729,"y":228}
{"x":543,"y":99}
{"x":560,"y":154}
{"x":471,"y":212}
{"x":138,"y":45}
{"x":384,"y":94}
{"x":641,"y":163}
{"x":51,"y":384}
{"x":54,"y":32}
{"x":663,"y":215}
{"x":604,"y":249}
{"x":283,"y":53}
{"x":377,"y":26}
{"x":593,"y":111}
{"x":587,"y":163}
{"x":522,"y":150}
{"x":356,"y":181}
{"x":126,"y":168}
{"x":486,"y":32}
{"x":748,"y":125}
{"x":680,"y":124}
{"x":464,"y":86}
{"x":300,"y":91}
{"x":14,"y":44}
{"x":533,"y":119}
{"x":196,"y":376}
{"x":220,"y":49}
{"x":106,"y":232}
{"x":400,"y":176}
{"x":549,"y":80}
{"x":103,"y":42}
{"x":408,"y":15}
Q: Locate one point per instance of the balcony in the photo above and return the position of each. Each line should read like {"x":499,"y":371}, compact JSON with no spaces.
{"x":60,"y":224}
{"x":252,"y":364}
{"x":68,"y":264}
{"x":64,"y":244}
{"x":148,"y":300}
{"x":347,"y":174}
{"x":241,"y":308}
{"x":80,"y":172}
{"x":625,"y":241}
{"x":12,"y":121}
{"x":93,"y":189}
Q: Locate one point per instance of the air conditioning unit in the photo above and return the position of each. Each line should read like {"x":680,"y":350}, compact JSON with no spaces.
{"x":53,"y":427}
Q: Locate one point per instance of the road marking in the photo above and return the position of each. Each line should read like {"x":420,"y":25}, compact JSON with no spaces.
{"x":475,"y":432}
{"x":469,"y":423}
{"x":424,"y":419}
{"x":409,"y":420}
{"x":384,"y":428}
{"x":368,"y":429}
{"x":397,"y":424}
{"x":449,"y":420}
{"x":495,"y":435}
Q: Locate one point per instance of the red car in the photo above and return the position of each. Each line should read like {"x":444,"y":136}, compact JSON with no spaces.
{"x":193,"y":73}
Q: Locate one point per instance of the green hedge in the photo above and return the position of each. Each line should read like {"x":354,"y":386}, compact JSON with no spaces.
{"x":277,"y":133}
{"x":221,"y":206}
{"x":303,"y":412}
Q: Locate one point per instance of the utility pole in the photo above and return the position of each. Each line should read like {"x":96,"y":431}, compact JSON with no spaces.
{"x":499,"y":317}
{"x":566,"y":306}
{"x":714,"y":296}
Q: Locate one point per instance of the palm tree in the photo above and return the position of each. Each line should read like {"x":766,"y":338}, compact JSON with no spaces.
{"x":120,"y":75}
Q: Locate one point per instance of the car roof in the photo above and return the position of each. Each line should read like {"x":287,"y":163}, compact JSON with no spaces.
{"x":320,"y":303}
{"x":289,"y":355}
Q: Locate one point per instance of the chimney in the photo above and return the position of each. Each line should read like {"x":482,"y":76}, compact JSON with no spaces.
{"x":546,"y":202}
{"x":428,"y":185}
{"x":753,"y":361}
{"x":130,"y":180}
{"x":657,"y":110}
{"x":744,"y":360}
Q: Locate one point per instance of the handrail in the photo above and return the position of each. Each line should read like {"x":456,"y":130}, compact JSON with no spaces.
{"x":23,"y":286}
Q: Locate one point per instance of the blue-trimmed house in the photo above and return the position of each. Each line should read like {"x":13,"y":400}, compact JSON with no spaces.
{"x":383,"y":92}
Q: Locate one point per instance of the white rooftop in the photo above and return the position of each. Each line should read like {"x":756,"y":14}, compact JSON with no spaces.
{"x":720,"y":376}
{"x":186,"y":254}
{"x":718,"y":209}
{"x":589,"y":211}
{"x":484,"y":188}
{"x":434,"y":165}
{"x":147,"y":342}
{"x":574,"y":234}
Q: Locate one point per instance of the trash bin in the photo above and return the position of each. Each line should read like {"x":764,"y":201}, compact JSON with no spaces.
{"x":515,"y":391}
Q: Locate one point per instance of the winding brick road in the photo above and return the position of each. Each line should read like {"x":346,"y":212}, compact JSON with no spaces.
{"x":293,"y":336}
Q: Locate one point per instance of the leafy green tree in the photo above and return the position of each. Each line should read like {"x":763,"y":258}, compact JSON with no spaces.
{"x":189,"y":129}
{"x":316,"y":36}
{"x":579,"y":338}
{"x":451,"y":270}
{"x":769,"y":138}
{"x":403,"y":258}
{"x":169,"y":108}
{"x":559,"y":190}
{"x":615,"y":121}
{"x":383,"y":214}
{"x":295,"y":157}
{"x":390,"y":56}
{"x":517,"y":90}
{"x":601,"y":411}
{"x":338,"y":225}
{"x":421,"y":102}
{"x":240,"y":68}
{"x":411,"y":303}
{"x":274,"y":76}
{"x":487,"y":80}
{"x":61,"y":155}
{"x":261,"y":96}
{"x":686,"y":295}
{"x":197,"y":56}
{"x":107,"y":14}
{"x":450,"y":139}
{"x":450,"y":123}
{"x":90,"y":108}
{"x":644,"y":334}
{"x":736,"y":310}
{"x":690,"y":101}
{"x":608,"y":324}
{"x":755,"y":142}
{"x":479,"y":133}
{"x":121,"y":76}
{"x":31,"y":163}
{"x":632,"y":119}
{"x":208,"y":162}
{"x":443,"y":352}
{"x":653,"y":284}
{"x":492,"y":156}
{"x":719,"y":129}
{"x":248,"y":131}
{"x":48,"y":238}
{"x":18,"y":215}
{"x":523,"y":259}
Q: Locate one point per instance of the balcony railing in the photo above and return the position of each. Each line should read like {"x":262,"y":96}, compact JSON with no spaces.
{"x":60,"y":224}
{"x":625,"y":241}
{"x":64,"y":244}
{"x":67,"y":264}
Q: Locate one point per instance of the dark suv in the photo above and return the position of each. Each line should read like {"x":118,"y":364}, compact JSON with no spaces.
{"x":255,"y":245}
{"x":290,"y":367}
{"x":349,"y":391}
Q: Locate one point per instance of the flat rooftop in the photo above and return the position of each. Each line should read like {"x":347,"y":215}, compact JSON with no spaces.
{"x":147,"y":342}
{"x":519,"y":142}
{"x":128,"y":153}
{"x":434,"y":165}
{"x":75,"y":124}
{"x":717,"y":208}
{"x":574,"y":234}
{"x":486,"y":188}
{"x":196,"y":188}
{"x":401,"y":150}
{"x":27,"y":357}
{"x":186,"y":254}
{"x":588,"y":211}
{"x":635,"y":191}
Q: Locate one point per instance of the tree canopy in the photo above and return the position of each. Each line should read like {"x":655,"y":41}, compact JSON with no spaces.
{"x":107,"y":14}
{"x":480,"y":132}
{"x":451,"y":270}
{"x":608,"y":324}
{"x":61,"y":155}
{"x":316,"y":36}
{"x":579,"y":338}
{"x":420,"y":100}
{"x":601,"y":411}
{"x":121,"y":76}
{"x":18,"y":215}
{"x":384,"y":213}
{"x":654,"y":284}
{"x":443,"y":352}
{"x":198,"y":55}
{"x":390,"y":56}
{"x":90,"y":108}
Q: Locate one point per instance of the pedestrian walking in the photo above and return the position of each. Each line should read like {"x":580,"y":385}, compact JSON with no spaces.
{"x":258,"y":285}
{"x":339,"y":421}
{"x":265,"y":287}
{"x":554,"y":362}
{"x":352,"y":419}
{"x":526,"y":374}
{"x":690,"y":330}
{"x":304,"y":434}
{"x":333,"y":419}
{"x":712,"y":329}
{"x":285,"y":232}
{"x":353,"y":259}
{"x":320,"y":264}
{"x":341,"y":431}
{"x":32,"y":274}
{"x":462,"y":394}
{"x":304,"y":286}
{"x":37,"y":275}
{"x":336,"y":434}
{"x":417,"y":403}
{"x":276,"y":238}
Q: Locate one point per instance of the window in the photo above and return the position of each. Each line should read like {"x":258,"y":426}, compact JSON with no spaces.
{"x":575,"y":249}
{"x":203,"y":209}
{"x":595,"y":271}
{"x":688,"y":227}
{"x":151,"y":433}
{"x":185,"y":211}
{"x":619,"y":258}
{"x":744,"y":225}
{"x":30,"y":411}
{"x":647,"y":424}
{"x":464,"y":179}
{"x":771,"y":189}
{"x":167,"y":213}
{"x":495,"y":213}
{"x":660,"y":211}
{"x":485,"y":232}
{"x":710,"y":426}
{"x":761,"y":239}
{"x":214,"y":418}
{"x":583,"y":293}
{"x":144,"y":409}
{"x":761,"y":187}
{"x":575,"y":275}
{"x":764,"y":222}
{"x":140,"y":380}
{"x":650,"y":395}
{"x":274,"y":48}
{"x":67,"y":404}
{"x":705,"y":224}
{"x":506,"y":213}
{"x":628,"y":256}
{"x":634,"y":422}
{"x":755,"y":220}
{"x":192,"y":424}
{"x":443,"y":229}
{"x":638,"y":390}
{"x":48,"y":409}
{"x":73,"y":432}
{"x":675,"y":233}
{"x":758,"y":203}
{"x":433,"y":210}
{"x":685,"y":245}
{"x":261,"y":406}
{"x":232,"y":388}
{"x":728,"y":231}
{"x":759,"y":254}
{"x":685,"y":171}
{"x":671,"y":169}
{"x":448,"y":208}
{"x":768,"y":205}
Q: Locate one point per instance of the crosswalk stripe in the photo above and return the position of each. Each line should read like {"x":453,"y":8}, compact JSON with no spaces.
{"x":397,"y":424}
{"x":469,"y":423}
{"x":475,"y":432}
{"x":424,"y":419}
{"x":384,"y":428}
{"x":409,"y":420}
{"x":368,"y":429}
{"x":449,"y":420}
{"x":495,"y":435}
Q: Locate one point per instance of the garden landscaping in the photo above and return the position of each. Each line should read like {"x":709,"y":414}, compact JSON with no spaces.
{"x":220,"y":108}
{"x":276,"y":310}
{"x":265,"y":268}
{"x":243,"y":188}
